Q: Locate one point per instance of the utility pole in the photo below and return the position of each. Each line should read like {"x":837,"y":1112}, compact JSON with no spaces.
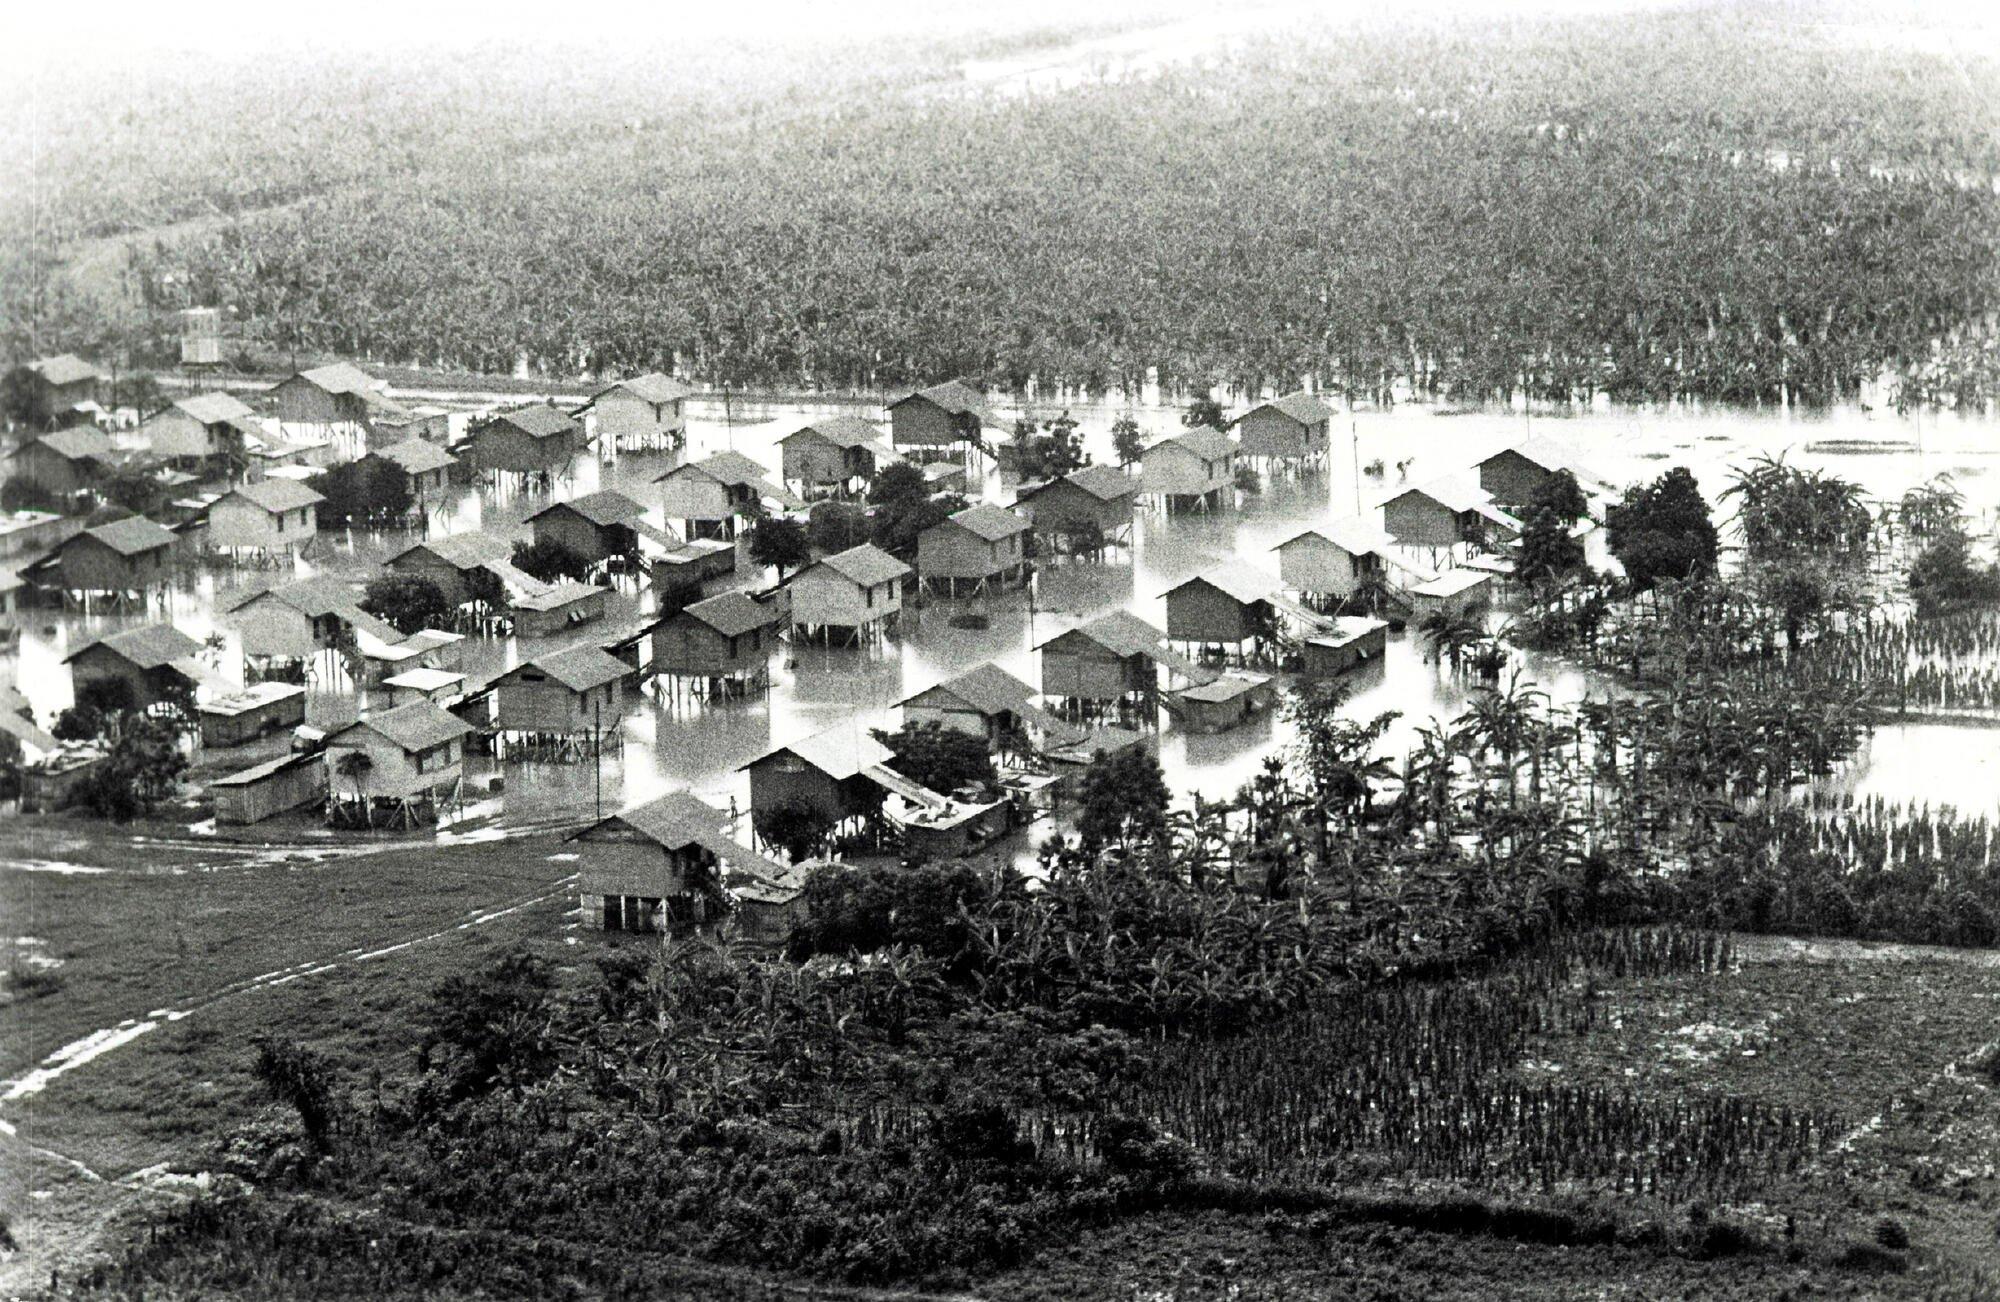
{"x":597,"y":753}
{"x":1354,"y":443}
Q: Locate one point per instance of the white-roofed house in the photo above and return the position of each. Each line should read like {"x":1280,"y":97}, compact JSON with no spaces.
{"x":669,"y":865}
{"x":1514,"y":475}
{"x":194,"y":432}
{"x":1235,"y":611}
{"x":1350,"y":562}
{"x":1444,"y":514}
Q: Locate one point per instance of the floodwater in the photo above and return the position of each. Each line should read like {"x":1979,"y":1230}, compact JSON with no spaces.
{"x":701,"y":748}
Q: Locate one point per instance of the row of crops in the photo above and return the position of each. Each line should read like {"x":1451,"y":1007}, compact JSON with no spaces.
{"x":1945,"y":663}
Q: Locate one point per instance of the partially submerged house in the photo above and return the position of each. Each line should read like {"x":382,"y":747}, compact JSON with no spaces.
{"x":850,"y":596}
{"x":560,"y":704}
{"x":709,"y":496}
{"x":1514,"y":475}
{"x":66,"y":462}
{"x":256,"y":711}
{"x":940,"y":417}
{"x":1294,"y":429}
{"x":555,"y":608}
{"x":831,"y":775}
{"x":122,"y":560}
{"x":1235,"y":612}
{"x":668,"y":865}
{"x":296,"y":621}
{"x":1350,"y":640}
{"x":1070,"y":507}
{"x":400,"y":767}
{"x":1111,"y":666}
{"x":993,"y":705}
{"x":539,"y":440}
{"x":836,"y":454}
{"x":457,"y":561}
{"x":1194,"y":470}
{"x":271,"y":517}
{"x":266,"y":790}
{"x":1224,"y":702}
{"x":718,"y":647}
{"x":157,"y":664}
{"x":644,"y":413}
{"x":596,"y":526}
{"x":1445,"y":513}
{"x":979,"y":548}
{"x":339,"y":395}
{"x":426,"y":467}
{"x":1455,"y":592}
{"x":1334,"y":563}
{"x":194,"y":431}
{"x":431,"y":424}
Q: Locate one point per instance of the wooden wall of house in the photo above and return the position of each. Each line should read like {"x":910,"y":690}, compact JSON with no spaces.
{"x":237,"y":522}
{"x":1174,"y":471}
{"x":1062,"y":505}
{"x":90,"y":566}
{"x":271,"y":629}
{"x":1082,"y":669}
{"x":694,"y":496}
{"x":525,"y":705}
{"x":287,"y":789}
{"x":499,"y":446}
{"x":173,"y":433}
{"x":1267,"y":432}
{"x":810,"y":459}
{"x":625,"y":414}
{"x":950,"y":551}
{"x":920,"y":422}
{"x":395,"y":774}
{"x":449,"y":578}
{"x":1418,"y":521}
{"x":1511,"y":478}
{"x":300,"y":401}
{"x":616,"y":860}
{"x":771,"y":787}
{"x":573,"y":531}
{"x":1199,"y":611}
{"x":822,"y":597}
{"x":686,"y":646}
{"x":1315,"y":564}
{"x":43,"y":465}
{"x":550,"y":623}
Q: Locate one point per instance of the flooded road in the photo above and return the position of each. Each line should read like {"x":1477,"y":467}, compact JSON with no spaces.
{"x":701,"y":748}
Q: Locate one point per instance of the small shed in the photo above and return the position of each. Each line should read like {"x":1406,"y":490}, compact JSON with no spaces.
{"x":157,"y":662}
{"x":665,"y":865}
{"x":561,"y":699}
{"x":338,"y":394}
{"x":596,"y":526}
{"x":939,"y":417}
{"x":1222,"y":703}
{"x":646,"y":412}
{"x":709,"y":496}
{"x":1295,"y":428}
{"x":1194,"y":470}
{"x":720,"y":646}
{"x":257,"y":711}
{"x":981,"y":547}
{"x":1096,"y":497}
{"x":192,"y":431}
{"x":558,"y":608}
{"x":1455,"y":592}
{"x":431,"y":424}
{"x":66,"y":462}
{"x":838,"y":453}
{"x":538,"y":439}
{"x":1445,"y":512}
{"x":850,"y":596}
{"x":399,"y":767}
{"x":53,"y":781}
{"x":441,"y":686}
{"x":1350,"y":641}
{"x":683,"y":566}
{"x":269,"y":516}
{"x":266,"y":790}
{"x":425,"y":467}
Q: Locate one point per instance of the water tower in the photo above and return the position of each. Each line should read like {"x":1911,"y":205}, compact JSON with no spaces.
{"x":201,"y":336}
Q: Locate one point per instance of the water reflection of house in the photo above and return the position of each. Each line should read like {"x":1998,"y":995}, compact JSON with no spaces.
{"x":125,"y":558}
{"x":65,"y":462}
{"x":596,"y":526}
{"x":708,"y":497}
{"x":156,"y":662}
{"x":1194,"y":470}
{"x":849,"y":596}
{"x":1096,"y":496}
{"x":644,"y":412}
{"x":411,"y":761}
{"x":1443,"y":513}
{"x":978,"y":548}
{"x":839,"y":453}
{"x":562,"y":698}
{"x":668,"y":864}
{"x":1294,"y":428}
{"x":940,"y":417}
{"x":270,"y":516}
{"x":538,"y":439}
{"x":720,"y":646}
{"x":200,"y":427}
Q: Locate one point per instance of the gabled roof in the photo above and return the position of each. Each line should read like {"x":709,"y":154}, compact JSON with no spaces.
{"x":579,"y":668}
{"x":723,"y":467}
{"x":130,"y":536}
{"x":320,"y":595}
{"x":1551,"y":456}
{"x":276,"y":495}
{"x":987,"y":521}
{"x":987,"y":688}
{"x":1455,"y":492}
{"x":1242,"y":582}
{"x":1120,"y":632}
{"x":674,"y":820}
{"x":215,"y":408}
{"x":340,"y":377}
{"x":556,"y":596}
{"x":464,"y":551}
{"x":1451,"y":583}
{"x":840,"y":752}
{"x":731,"y":614}
{"x":1105,"y":483}
{"x":1303,"y":407}
{"x":1353,"y":534}
{"x":65,"y":368}
{"x":603,"y":508}
{"x":538,"y":420}
{"x":841,"y":431}
{"x":148,"y":648}
{"x":651,"y":387}
{"x":415,"y":726}
{"x":77,"y":443}
{"x":416,"y":457}
{"x":1204,"y":441}
{"x":956,"y":397}
{"x":865,"y":564}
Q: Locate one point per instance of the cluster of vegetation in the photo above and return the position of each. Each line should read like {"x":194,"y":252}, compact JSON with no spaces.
{"x":366,"y":494}
{"x":1715,"y":203}
{"x":407,"y":603}
{"x":142,"y":748}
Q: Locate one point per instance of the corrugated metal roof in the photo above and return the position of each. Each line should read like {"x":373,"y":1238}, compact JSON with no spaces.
{"x":1226,"y":687}
{"x":579,"y":668}
{"x":1204,"y":441}
{"x":1451,"y":583}
{"x":987,"y":521}
{"x":1105,"y":483}
{"x":148,"y":648}
{"x":552,"y":596}
{"x":987,"y":688}
{"x":1243,"y":582}
{"x":418,"y":725}
{"x":1353,"y":534}
{"x":1120,"y":632}
{"x":840,"y":752}
{"x":464,"y":551}
{"x":276,"y":495}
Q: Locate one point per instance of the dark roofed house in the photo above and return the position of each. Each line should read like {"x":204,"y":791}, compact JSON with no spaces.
{"x":538,"y":439}
{"x":596,"y":526}
{"x":644,"y":412}
{"x":667,"y":865}
{"x":828,"y":773}
{"x":852,"y":595}
{"x":157,"y":662}
{"x":576,"y":692}
{"x":1112,"y":663}
{"x":1514,"y":475}
{"x":1296,"y":427}
{"x":65,"y":462}
{"x":938,"y":417}
{"x":979,"y":547}
{"x":1096,"y":497}
{"x":837,"y":453}
{"x":991,"y":704}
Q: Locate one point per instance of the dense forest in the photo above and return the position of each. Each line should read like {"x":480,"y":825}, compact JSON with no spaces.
{"x":1719,"y":203}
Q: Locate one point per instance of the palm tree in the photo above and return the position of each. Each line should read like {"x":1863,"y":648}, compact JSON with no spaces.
{"x":1451,"y":634}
